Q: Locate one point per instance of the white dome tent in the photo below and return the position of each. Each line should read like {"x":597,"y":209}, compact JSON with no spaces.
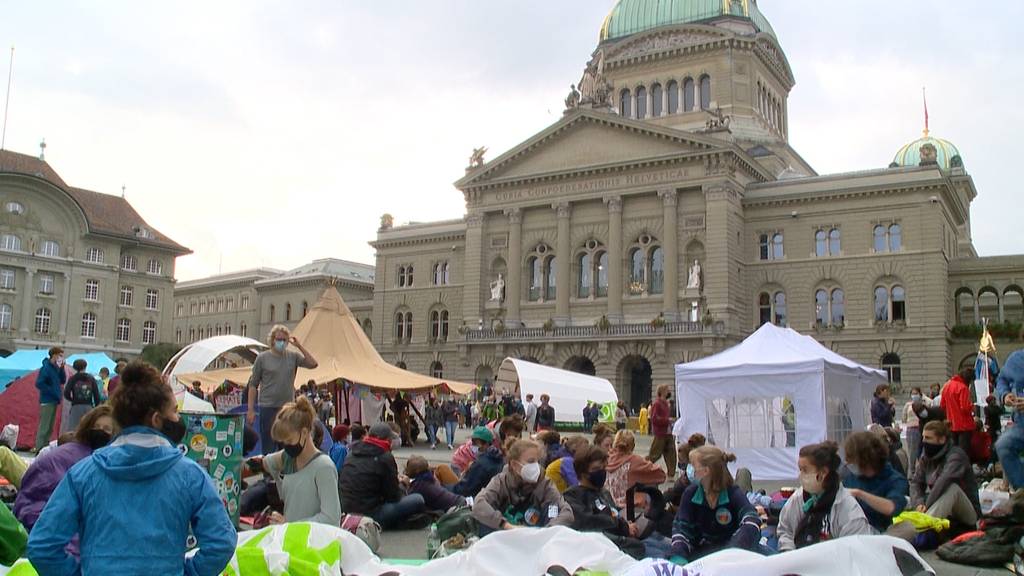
{"x":569,"y":391}
{"x":199,"y":356}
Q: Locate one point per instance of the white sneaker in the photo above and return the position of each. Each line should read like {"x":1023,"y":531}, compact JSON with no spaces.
{"x":433,"y":446}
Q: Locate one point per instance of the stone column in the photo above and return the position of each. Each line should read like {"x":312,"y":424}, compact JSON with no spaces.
{"x":1002,"y":314}
{"x":27,"y":313}
{"x":563,"y":263}
{"x":650,"y":103}
{"x":664,"y":100}
{"x":62,"y":320}
{"x":514,"y":282}
{"x":670,"y":244}
{"x":615,"y":256}
{"x":977,"y":310}
{"x":472,"y":306}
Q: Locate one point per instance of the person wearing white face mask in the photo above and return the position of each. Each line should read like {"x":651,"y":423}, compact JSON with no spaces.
{"x":521,"y":497}
{"x":821,"y":509}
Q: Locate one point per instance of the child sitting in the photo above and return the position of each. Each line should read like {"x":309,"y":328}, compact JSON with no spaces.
{"x":561,"y":470}
{"x":425,"y":483}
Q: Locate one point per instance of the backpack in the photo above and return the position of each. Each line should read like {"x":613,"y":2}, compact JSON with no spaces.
{"x":458,"y":521}
{"x":365,"y":528}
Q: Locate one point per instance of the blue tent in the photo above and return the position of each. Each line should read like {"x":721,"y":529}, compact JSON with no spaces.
{"x":24,"y":361}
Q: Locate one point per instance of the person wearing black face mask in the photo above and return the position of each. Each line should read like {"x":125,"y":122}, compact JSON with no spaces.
{"x":94,"y":431}
{"x":140,"y":480}
{"x":943,"y":485}
{"x":594,"y":508}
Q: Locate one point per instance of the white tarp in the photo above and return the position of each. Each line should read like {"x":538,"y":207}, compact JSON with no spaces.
{"x":569,"y":391}
{"x":197,"y":356}
{"x":771,"y":394}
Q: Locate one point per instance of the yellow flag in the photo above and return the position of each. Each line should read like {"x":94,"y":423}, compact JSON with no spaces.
{"x":987,"y":345}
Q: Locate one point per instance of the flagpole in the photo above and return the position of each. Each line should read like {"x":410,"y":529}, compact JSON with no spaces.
{"x":924,"y":96}
{"x":7,"y":100}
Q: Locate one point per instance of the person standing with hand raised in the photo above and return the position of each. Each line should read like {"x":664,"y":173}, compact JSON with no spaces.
{"x":273,"y":375}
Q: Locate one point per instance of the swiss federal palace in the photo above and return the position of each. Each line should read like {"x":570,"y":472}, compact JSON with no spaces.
{"x":662,"y":219}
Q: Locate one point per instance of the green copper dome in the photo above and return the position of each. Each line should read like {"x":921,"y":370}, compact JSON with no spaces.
{"x":946,"y":154}
{"x":634,"y":16}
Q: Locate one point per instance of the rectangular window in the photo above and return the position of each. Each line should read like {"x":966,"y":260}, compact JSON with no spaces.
{"x":45,"y":284}
{"x":244,"y":302}
{"x":152,"y":299}
{"x":129,"y":263}
{"x":92,"y":290}
{"x":7,"y":278}
{"x":765,"y":244}
{"x":50,"y":248}
{"x":127,"y":296}
{"x":149,"y":332}
{"x":181,"y":310}
{"x":124,"y":330}
{"x":94,"y":255}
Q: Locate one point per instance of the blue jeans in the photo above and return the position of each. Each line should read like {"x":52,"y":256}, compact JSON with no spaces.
{"x":432,"y":435}
{"x":449,"y":432}
{"x":1010,"y":447}
{"x":267,"y":415}
{"x":393,"y":513}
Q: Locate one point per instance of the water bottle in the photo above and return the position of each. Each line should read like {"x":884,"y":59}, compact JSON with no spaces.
{"x":433,"y":542}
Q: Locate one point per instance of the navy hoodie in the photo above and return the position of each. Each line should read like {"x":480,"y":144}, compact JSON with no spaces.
{"x":487,"y":466}
{"x":50,"y":382}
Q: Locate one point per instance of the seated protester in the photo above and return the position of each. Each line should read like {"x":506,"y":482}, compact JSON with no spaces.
{"x":140,"y":492}
{"x":12,"y":467}
{"x":713,"y":513}
{"x":675,"y":493}
{"x":562,"y":471}
{"x":551,"y":442}
{"x":488,"y":464}
{"x":357,"y":432}
{"x":625,"y":469}
{"x":943,"y":485}
{"x":370,"y":484}
{"x":510,"y":427}
{"x":821,"y":509}
{"x":894,"y":447}
{"x":1010,"y":394}
{"x":95,"y":430}
{"x":424,"y":483}
{"x":880,"y":490}
{"x":12,"y":537}
{"x":594,"y":510}
{"x":465,"y":455}
{"x":306,"y":478}
{"x":339,"y":450}
{"x":520,"y":496}
{"x":604,"y":437}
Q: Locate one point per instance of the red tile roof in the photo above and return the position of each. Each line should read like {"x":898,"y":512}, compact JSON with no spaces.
{"x":105,"y":213}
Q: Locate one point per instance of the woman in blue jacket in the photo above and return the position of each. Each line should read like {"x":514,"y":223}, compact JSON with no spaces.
{"x":133,"y":502}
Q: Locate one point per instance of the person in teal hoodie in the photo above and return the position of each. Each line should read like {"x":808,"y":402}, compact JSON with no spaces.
{"x":133,"y":502}
{"x":50,"y":383}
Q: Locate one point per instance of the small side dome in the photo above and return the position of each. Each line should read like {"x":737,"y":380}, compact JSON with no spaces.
{"x":919,"y":152}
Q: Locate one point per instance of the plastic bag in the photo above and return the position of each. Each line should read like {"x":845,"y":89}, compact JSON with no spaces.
{"x":9,"y":436}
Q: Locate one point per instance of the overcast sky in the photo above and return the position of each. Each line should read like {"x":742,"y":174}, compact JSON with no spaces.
{"x":273,"y":133}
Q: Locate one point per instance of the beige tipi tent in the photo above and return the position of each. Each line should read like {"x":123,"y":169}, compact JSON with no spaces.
{"x":333,"y":336}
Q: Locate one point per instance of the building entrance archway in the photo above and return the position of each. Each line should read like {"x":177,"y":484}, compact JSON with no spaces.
{"x":581,"y":365}
{"x":636,"y":381}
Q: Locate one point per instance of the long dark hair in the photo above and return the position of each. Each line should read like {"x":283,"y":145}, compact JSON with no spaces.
{"x":813,"y":524}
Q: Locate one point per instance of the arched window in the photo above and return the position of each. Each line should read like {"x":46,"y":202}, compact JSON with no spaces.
{"x":124,"y":330}
{"x":899,"y":304}
{"x":988,"y":304}
{"x":403,"y":326}
{"x":602,"y":275}
{"x":551,"y":285}
{"x":437,"y":369}
{"x":777,"y":251}
{"x":243,"y":330}
{"x":835,"y":242}
{"x":42,"y":321}
{"x":408,"y":276}
{"x":821,"y":308}
{"x":439,"y":325}
{"x":10,"y":243}
{"x":641,"y":103}
{"x":881,"y":304}
{"x":191,"y":334}
{"x":88,"y":325}
{"x":764,"y":306}
{"x":673,"y":97}
{"x":534,"y":265}
{"x":217,"y":330}
{"x":584,"y":272}
{"x":408,"y":326}
{"x":401,"y":276}
{"x":657,"y":264}
{"x":445,"y":274}
{"x":149,"y":332}
{"x":688,"y":95}
{"x":779,"y":312}
{"x":288,"y":312}
{"x":821,"y":243}
{"x":881,"y":243}
{"x":636,"y":270}
{"x":435,"y":273}
{"x":6,"y":316}
{"x":838,"y":307}
{"x":895,"y":238}
{"x":50,"y":248}
{"x":625,"y":104}
{"x":965,"y":307}
{"x":705,"y":92}
{"x":444,"y":326}
{"x":1013,"y":304}
{"x":892,"y":366}
{"x":656,"y":100}
{"x":177,"y":336}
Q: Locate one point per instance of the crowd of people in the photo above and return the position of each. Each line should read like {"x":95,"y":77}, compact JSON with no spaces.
{"x":119,"y":476}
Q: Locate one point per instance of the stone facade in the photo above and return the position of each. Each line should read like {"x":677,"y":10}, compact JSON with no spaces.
{"x":78,"y":268}
{"x":250,"y":302}
{"x":577,"y":246}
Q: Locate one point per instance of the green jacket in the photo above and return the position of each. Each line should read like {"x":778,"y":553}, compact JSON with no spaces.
{"x":13,"y":537}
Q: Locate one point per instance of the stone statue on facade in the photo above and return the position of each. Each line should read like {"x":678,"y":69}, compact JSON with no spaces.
{"x":476,"y":159}
{"x":387,"y":221}
{"x":498,"y":289}
{"x":694,"y":279}
{"x":595,"y":90}
{"x":718,"y":120}
{"x":573,"y":99}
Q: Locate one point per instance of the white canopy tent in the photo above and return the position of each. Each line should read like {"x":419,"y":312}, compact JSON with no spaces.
{"x":771,"y":394}
{"x":569,"y":391}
